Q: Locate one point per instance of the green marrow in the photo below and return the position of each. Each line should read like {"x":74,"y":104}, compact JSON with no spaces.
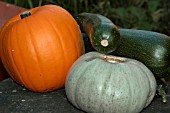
{"x":151,"y":48}
{"x":87,"y":43}
{"x":103,"y":34}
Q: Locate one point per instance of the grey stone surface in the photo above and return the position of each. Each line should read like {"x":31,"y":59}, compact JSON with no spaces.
{"x":16,"y":99}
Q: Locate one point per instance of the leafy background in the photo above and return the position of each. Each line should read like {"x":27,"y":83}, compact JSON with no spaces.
{"x":150,"y":15}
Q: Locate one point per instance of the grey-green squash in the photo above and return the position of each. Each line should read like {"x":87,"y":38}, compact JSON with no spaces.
{"x":99,"y":83}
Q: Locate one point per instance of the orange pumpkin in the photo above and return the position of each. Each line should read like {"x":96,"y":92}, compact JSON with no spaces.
{"x":38,"y":48}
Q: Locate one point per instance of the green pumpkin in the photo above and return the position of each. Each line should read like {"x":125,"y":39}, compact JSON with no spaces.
{"x":99,"y":83}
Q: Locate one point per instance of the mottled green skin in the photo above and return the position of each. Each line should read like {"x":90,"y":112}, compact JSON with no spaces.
{"x":151,"y":48}
{"x":96,"y":84}
{"x":99,"y":28}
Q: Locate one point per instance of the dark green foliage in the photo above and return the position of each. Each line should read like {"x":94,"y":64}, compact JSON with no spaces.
{"x":133,"y":14}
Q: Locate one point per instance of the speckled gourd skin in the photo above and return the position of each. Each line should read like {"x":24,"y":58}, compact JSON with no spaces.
{"x":148,"y":47}
{"x":96,"y":85}
{"x":99,"y":28}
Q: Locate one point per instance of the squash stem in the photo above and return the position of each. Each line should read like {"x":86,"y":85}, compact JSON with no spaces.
{"x":104,"y":43}
{"x":25,"y":14}
{"x":164,"y":98}
{"x":162,"y":93}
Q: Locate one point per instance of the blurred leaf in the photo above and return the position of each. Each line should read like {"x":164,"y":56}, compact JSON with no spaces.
{"x":30,"y":4}
{"x":153,"y":5}
{"x":139,"y":13}
{"x":157,"y":15}
{"x":120,"y":13}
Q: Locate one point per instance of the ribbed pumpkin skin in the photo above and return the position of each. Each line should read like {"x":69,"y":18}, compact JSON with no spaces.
{"x":38,"y":50}
{"x":96,"y":85}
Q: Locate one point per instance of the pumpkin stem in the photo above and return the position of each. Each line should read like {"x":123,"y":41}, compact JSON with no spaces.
{"x":25,"y":14}
{"x":113,"y":59}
